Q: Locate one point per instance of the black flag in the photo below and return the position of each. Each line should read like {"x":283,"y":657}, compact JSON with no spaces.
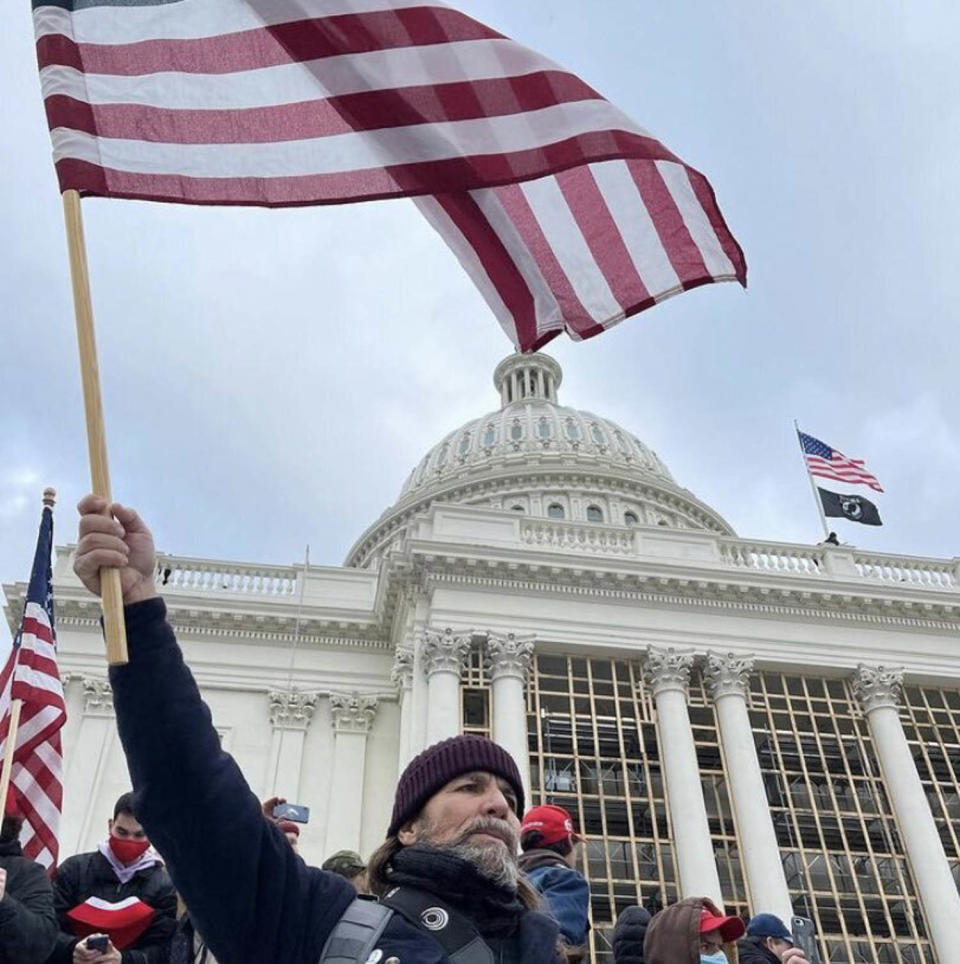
{"x":853,"y":507}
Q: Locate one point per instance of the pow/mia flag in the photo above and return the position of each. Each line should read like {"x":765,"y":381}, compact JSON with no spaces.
{"x":853,"y":507}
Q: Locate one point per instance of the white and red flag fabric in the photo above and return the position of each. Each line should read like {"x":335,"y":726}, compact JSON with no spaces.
{"x":566,"y":213}
{"x":30,"y":674}
{"x":830,"y":463}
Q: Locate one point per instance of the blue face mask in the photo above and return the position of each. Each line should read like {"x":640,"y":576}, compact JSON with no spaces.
{"x":718,"y":958}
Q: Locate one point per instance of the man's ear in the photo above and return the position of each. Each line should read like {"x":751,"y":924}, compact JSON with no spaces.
{"x":407,"y":834}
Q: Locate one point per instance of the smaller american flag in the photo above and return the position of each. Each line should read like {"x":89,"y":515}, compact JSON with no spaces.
{"x":829,"y":463}
{"x":31,"y":675}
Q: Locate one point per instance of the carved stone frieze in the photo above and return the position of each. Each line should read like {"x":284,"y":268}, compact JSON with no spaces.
{"x":352,"y":712}
{"x":727,"y":674}
{"x":402,"y":673}
{"x":878,"y":686}
{"x":291,"y":708}
{"x":507,"y":654}
{"x":445,"y":651}
{"x":668,"y":669}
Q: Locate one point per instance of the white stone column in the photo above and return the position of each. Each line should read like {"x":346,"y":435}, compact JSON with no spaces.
{"x":352,"y":716}
{"x":86,"y":766}
{"x":878,"y":690}
{"x":290,"y":714}
{"x":726,"y":676}
{"x":507,"y":659}
{"x":668,"y":672}
{"x":402,"y":677}
{"x":443,"y":657}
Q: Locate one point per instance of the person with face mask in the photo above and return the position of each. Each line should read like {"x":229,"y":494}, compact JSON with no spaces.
{"x":692,"y":931}
{"x":119,"y":890}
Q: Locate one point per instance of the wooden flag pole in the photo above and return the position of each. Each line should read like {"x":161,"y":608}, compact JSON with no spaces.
{"x":111,"y":596}
{"x":8,"y":749}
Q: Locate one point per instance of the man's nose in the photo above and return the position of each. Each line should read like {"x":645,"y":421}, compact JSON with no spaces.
{"x":495,"y":803}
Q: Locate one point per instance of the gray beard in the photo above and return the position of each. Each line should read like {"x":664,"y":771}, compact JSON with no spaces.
{"x":495,"y":861}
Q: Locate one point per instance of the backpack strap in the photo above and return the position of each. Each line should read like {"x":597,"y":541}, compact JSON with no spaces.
{"x":356,"y":934}
{"x":452,"y":930}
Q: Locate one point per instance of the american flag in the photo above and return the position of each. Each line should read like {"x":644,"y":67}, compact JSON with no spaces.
{"x":566,"y":213}
{"x":31,"y":675}
{"x":828,"y":463}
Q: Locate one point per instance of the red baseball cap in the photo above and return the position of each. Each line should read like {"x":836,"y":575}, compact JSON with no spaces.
{"x":731,"y":928}
{"x":552,"y":822}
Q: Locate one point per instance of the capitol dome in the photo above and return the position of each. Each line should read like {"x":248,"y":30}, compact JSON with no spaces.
{"x":536,"y":456}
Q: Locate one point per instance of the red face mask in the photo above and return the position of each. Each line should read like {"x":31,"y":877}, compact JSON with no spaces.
{"x":127,"y":850}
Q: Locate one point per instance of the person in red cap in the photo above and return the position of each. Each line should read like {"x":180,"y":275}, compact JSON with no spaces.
{"x":692,"y":931}
{"x":28,"y":922}
{"x":550,"y":846}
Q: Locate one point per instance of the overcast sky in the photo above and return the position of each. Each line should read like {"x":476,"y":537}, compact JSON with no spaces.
{"x":270,"y":377}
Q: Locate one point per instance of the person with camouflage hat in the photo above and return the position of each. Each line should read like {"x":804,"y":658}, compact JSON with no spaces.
{"x":446,"y":875}
{"x":349,"y":865}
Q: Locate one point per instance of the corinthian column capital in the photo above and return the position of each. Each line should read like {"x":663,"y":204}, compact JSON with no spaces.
{"x":445,"y":651}
{"x":402,"y":673}
{"x":507,"y":654}
{"x":352,"y":712}
{"x":668,"y":669}
{"x":97,"y":695}
{"x":291,"y":708}
{"x":878,"y":686}
{"x":728,"y":674}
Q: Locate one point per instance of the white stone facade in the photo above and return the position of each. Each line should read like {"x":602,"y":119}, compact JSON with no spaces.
{"x":324,"y":681}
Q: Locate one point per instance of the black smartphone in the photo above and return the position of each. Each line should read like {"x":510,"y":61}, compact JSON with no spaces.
{"x":97,"y":942}
{"x":804,"y":937}
{"x":291,"y":811}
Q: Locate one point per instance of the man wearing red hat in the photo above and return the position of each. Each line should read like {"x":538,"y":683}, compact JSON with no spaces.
{"x":28,"y":923}
{"x":550,"y":850}
{"x":692,"y":931}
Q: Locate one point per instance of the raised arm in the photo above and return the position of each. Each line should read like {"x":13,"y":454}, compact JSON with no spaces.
{"x":248,"y":894}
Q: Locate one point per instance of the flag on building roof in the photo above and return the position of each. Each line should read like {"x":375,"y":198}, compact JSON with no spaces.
{"x":856,"y":508}
{"x":566,"y":213}
{"x":31,"y":675}
{"x":829,"y":463}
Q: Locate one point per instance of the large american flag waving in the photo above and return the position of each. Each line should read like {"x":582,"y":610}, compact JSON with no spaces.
{"x":31,"y":675}
{"x":566,"y":213}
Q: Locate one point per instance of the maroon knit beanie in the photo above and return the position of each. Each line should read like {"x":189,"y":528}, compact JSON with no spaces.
{"x":437,"y":765}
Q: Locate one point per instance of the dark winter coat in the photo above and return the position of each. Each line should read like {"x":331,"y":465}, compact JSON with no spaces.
{"x":28,"y":923}
{"x":629,"y":934}
{"x":565,"y":890}
{"x":90,"y":875}
{"x":673,"y":936}
{"x":752,"y":951}
{"x":249,"y":894}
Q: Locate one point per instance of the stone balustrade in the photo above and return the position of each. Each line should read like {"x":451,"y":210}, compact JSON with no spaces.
{"x":917,"y":571}
{"x":201,"y":575}
{"x":580,"y":537}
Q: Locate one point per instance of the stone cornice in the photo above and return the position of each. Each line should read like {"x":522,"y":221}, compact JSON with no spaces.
{"x":353,"y":712}
{"x":727,"y":674}
{"x":878,"y":687}
{"x":445,"y":651}
{"x":506,"y":654}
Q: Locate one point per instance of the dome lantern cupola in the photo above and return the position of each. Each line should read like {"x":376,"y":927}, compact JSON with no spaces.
{"x":524,"y":378}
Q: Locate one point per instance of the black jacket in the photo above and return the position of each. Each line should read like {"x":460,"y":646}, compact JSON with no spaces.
{"x":752,"y":951}
{"x":28,"y":924}
{"x":90,"y":875}
{"x":253,"y":899}
{"x":628,"y":935}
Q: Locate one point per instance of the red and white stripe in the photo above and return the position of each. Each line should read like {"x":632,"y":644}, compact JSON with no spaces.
{"x":31,"y":675}
{"x":325,"y":101}
{"x":840,"y":468}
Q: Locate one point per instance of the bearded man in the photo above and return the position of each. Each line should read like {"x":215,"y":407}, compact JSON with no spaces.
{"x":447,"y":873}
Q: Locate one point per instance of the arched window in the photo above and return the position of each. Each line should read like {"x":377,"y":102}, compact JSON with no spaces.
{"x":517,"y":508}
{"x":572,"y":430}
{"x":555,"y":510}
{"x":630,"y":518}
{"x":464,"y":445}
{"x":597,"y":434}
{"x":490,"y":436}
{"x":544,"y":428}
{"x":516,"y":430}
{"x":594,"y":513}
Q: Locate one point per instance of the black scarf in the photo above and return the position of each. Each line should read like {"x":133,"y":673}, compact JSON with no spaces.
{"x":494,"y":910}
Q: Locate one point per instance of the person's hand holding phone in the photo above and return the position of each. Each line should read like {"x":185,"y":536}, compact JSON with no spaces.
{"x":96,"y":949}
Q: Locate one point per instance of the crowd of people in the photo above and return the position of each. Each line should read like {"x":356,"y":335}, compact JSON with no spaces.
{"x":466,"y":874}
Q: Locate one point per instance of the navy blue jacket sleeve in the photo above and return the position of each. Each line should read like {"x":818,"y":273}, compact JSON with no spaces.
{"x":567,"y":895}
{"x":249,"y":895}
